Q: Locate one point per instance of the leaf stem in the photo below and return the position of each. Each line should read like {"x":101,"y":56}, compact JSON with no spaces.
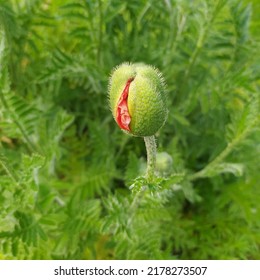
{"x":203,"y":173}
{"x":150,"y":145}
{"x":229,"y":148}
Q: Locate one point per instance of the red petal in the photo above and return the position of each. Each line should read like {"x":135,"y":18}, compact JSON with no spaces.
{"x":122,"y":114}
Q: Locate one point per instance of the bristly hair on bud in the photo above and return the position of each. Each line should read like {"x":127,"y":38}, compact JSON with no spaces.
{"x":137,"y":98}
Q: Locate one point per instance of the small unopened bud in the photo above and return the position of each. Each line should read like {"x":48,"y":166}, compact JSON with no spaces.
{"x":164,"y":163}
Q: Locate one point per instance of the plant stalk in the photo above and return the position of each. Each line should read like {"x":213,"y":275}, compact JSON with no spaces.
{"x":150,"y":145}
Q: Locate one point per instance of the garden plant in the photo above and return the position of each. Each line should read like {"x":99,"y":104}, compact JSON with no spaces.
{"x":74,"y":74}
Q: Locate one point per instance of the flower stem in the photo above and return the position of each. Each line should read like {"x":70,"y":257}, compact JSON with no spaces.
{"x":150,"y":145}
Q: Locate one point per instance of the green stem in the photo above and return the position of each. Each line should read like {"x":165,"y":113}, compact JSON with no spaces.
{"x":150,"y":145}
{"x":229,"y":148}
{"x":203,"y":173}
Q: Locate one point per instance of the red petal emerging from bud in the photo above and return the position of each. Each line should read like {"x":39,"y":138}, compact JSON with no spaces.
{"x":123,"y":118}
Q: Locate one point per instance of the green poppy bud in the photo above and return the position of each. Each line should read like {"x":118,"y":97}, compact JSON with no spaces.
{"x":137,"y":98}
{"x":164,"y":163}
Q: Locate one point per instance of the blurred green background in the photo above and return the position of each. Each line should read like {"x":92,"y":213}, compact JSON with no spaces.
{"x":66,"y":167}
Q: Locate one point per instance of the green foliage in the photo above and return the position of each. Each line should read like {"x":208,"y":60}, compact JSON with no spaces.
{"x":72,"y":184}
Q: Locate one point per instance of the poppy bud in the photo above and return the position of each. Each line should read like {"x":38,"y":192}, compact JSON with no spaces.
{"x":137,"y":98}
{"x":164,"y":163}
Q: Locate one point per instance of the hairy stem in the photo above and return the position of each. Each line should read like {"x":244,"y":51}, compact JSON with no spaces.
{"x":150,"y":145}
